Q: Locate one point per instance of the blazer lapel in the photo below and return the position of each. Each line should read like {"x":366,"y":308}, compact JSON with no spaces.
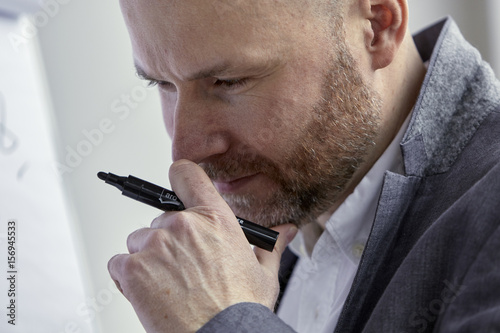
{"x":383,"y":253}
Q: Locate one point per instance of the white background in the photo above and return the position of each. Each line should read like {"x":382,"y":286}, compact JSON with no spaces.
{"x":87,"y":58}
{"x":40,"y":252}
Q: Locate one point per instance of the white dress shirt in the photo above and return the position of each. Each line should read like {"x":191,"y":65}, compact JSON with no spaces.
{"x":319,"y":285}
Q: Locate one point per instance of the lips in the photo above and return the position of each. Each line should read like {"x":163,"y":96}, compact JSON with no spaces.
{"x":233,"y":185}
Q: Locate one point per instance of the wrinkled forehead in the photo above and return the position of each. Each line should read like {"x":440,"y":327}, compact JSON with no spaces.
{"x":189,"y":31}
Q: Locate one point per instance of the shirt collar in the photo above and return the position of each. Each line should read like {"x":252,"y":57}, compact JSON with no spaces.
{"x":350,"y":224}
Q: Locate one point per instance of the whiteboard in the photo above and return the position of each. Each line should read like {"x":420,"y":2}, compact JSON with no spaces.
{"x":42,"y":270}
{"x":15,"y":7}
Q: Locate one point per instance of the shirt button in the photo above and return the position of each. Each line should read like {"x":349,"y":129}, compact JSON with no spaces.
{"x":357,"y":250}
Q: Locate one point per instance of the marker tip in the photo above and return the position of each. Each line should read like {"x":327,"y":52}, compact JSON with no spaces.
{"x":102,"y":175}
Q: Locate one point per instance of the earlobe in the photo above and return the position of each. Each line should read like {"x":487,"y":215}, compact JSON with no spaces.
{"x":388,"y":21}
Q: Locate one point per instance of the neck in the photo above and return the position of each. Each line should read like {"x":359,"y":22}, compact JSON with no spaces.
{"x":399,"y":85}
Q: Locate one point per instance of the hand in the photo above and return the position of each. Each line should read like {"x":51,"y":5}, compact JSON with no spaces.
{"x":190,"y":265}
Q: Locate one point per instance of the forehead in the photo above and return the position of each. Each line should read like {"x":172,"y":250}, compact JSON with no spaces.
{"x":203,"y":12}
{"x":180,"y":33}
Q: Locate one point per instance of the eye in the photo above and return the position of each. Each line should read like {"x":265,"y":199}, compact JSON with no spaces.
{"x":161,"y":84}
{"x":152,"y":83}
{"x":230,"y":83}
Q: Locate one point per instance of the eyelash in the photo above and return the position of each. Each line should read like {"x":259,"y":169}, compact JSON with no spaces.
{"x":228,"y":84}
{"x":154,"y":83}
{"x":231,"y":83}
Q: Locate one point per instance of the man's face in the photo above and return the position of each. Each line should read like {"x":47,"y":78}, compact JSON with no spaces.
{"x":265,"y":96}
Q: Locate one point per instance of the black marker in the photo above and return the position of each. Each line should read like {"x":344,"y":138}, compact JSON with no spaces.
{"x":167,"y":200}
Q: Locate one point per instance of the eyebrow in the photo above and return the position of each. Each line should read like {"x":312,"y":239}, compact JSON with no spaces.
{"x":141,"y":73}
{"x":222,"y":69}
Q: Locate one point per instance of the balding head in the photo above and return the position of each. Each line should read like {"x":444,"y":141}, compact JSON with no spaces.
{"x":166,"y":26}
{"x":281,"y":101}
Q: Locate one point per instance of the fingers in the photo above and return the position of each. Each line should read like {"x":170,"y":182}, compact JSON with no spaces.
{"x":187,"y":250}
{"x":271,"y":260}
{"x":113,"y":268}
{"x":195,"y":189}
{"x":145,"y":237}
{"x":192,"y":185}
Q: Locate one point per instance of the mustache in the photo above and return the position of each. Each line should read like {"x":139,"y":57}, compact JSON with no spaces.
{"x":237,"y":164}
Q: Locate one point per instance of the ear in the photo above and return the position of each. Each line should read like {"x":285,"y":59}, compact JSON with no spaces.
{"x":387,"y":28}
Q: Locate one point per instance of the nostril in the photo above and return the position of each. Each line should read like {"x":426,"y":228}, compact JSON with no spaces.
{"x":197,"y":146}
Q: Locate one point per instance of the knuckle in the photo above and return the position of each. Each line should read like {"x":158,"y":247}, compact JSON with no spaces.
{"x":182,"y":223}
{"x":131,"y":239}
{"x":125,"y":270}
{"x":155,"y":238}
{"x":157,"y":222}
{"x":130,"y":265}
{"x":162,"y":221}
{"x":112,"y":264}
{"x":132,"y":270}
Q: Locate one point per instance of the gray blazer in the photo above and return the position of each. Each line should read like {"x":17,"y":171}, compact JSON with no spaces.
{"x":432,"y":261}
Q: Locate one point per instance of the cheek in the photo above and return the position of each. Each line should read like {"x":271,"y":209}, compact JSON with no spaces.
{"x":272,"y":127}
{"x":289,"y":108}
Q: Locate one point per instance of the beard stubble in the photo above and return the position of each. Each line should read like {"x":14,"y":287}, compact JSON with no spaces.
{"x":312,"y":174}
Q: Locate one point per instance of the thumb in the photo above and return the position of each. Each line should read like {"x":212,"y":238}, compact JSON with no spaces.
{"x":271,"y":260}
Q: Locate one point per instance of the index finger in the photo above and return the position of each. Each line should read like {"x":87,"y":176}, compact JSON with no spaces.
{"x":192,"y":185}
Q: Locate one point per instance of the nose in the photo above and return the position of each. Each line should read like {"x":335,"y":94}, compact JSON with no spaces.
{"x":197,"y":127}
